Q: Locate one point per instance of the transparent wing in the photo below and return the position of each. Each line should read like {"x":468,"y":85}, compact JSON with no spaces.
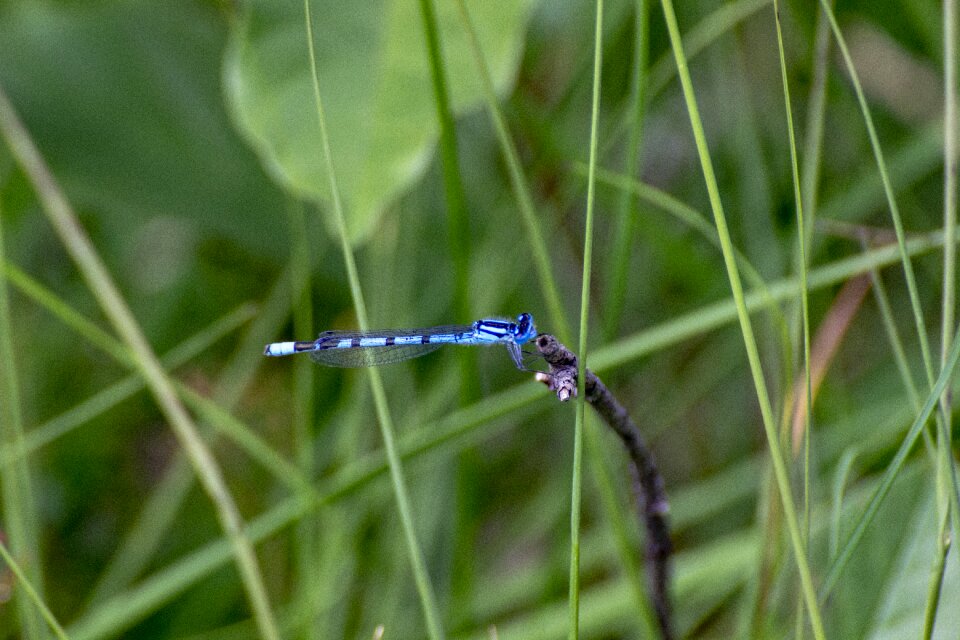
{"x":369,"y":356}
{"x":372,"y":356}
{"x":386,"y":333}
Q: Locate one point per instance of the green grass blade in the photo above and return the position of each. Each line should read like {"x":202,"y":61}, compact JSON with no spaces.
{"x":521,"y":190}
{"x":619,"y":260}
{"x":19,"y":505}
{"x":164,"y":503}
{"x":417,"y":562}
{"x":458,"y":214}
{"x":576,"y":489}
{"x":98,"y":279}
{"x":950,"y":133}
{"x":890,"y":475}
{"x":919,"y":322}
{"x":692,"y":218}
{"x":305,"y":537}
{"x":773,"y":442}
{"x":106,"y":399}
{"x":804,"y":304}
{"x":31,"y":593}
{"x":242,"y":435}
{"x":899,"y":353}
{"x":460,"y":428}
{"x":951,"y":126}
{"x":816,"y":116}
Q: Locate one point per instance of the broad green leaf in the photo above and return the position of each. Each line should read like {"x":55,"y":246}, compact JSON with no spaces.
{"x":902,"y":612}
{"x":375,"y":83}
{"x":125,"y":101}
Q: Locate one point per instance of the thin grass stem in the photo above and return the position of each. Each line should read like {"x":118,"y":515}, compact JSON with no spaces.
{"x":773,"y":442}
{"x":935,"y":584}
{"x":100,"y":283}
{"x":521,"y":190}
{"x":626,"y":541}
{"x":899,"y":353}
{"x":385,"y":420}
{"x":161,"y":507}
{"x":951,"y":131}
{"x":880,"y":161}
{"x":305,"y":539}
{"x":458,"y":213}
{"x":890,"y":474}
{"x":619,"y":261}
{"x":816,"y":117}
{"x":31,"y":593}
{"x":19,"y":504}
{"x":576,"y":489}
{"x":804,"y":303}
{"x":458,"y":429}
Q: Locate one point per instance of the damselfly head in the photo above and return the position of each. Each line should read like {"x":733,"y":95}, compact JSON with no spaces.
{"x":525,"y":329}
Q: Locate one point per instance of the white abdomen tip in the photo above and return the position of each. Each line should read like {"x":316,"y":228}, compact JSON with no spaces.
{"x":279,"y":349}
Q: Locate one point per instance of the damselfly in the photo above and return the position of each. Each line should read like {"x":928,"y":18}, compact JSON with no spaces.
{"x":369,"y":348}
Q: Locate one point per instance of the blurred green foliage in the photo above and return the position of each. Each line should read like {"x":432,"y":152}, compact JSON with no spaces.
{"x":184,"y":135}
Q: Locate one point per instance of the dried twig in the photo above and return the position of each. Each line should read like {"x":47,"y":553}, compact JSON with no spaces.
{"x":648,"y":483}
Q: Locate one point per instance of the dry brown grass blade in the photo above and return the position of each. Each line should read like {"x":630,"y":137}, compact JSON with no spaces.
{"x":824,"y":348}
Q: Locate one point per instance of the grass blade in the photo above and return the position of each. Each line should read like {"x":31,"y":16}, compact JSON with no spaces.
{"x":418,"y":565}
{"x":19,"y":506}
{"x":521,"y":190}
{"x":769,"y":424}
{"x":100,"y":283}
{"x":576,"y":489}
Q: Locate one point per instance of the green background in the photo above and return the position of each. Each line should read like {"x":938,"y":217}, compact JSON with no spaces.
{"x":185,"y":137}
